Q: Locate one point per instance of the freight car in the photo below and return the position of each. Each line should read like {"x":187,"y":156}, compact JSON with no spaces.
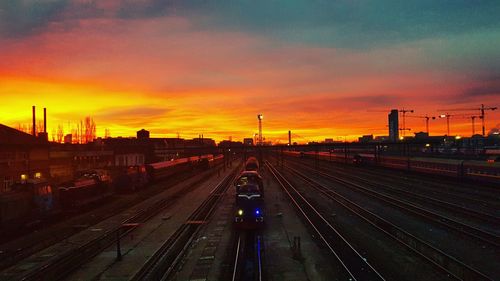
{"x":208,"y":161}
{"x":131,"y":178}
{"x":218,"y":159}
{"x":162,"y":170}
{"x":90,"y":187}
{"x":252,"y":164}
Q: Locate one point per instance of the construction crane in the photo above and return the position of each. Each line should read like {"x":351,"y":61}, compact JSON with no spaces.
{"x":473,"y":118}
{"x":481,"y":109}
{"x":403,"y":112}
{"x":427,"y":118}
{"x":448,"y":116}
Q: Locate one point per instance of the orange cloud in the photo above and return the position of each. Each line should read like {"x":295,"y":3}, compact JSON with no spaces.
{"x":164,"y":75}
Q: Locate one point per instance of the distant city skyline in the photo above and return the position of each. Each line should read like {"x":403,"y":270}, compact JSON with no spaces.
{"x":192,"y":67}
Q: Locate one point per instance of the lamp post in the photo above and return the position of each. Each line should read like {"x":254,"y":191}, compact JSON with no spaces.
{"x":260,"y":117}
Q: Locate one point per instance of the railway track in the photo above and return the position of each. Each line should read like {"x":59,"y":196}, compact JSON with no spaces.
{"x":71,"y":260}
{"x":485,"y":197}
{"x":248,"y":257}
{"x":68,"y":261}
{"x":424,"y":199}
{"x":164,"y":261}
{"x":15,"y":251}
{"x":354,"y":265}
{"x":450,"y":266}
{"x":476,"y":234}
{"x":463,"y":192}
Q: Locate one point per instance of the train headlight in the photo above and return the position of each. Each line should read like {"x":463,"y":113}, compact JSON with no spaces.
{"x":240,"y":212}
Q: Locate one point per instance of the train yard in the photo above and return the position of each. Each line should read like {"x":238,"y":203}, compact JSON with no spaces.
{"x":34,"y":239}
{"x":318,"y":220}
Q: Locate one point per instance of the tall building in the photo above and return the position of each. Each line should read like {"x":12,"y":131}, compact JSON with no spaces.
{"x":393,"y":125}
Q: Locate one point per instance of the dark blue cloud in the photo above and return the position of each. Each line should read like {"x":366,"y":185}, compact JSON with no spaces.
{"x":480,"y":92}
{"x":21,"y":18}
{"x":349,"y":24}
{"x":342,"y":23}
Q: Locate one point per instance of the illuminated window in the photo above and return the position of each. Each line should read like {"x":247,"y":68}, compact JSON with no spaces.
{"x":38,"y":175}
{"x":24,"y":177}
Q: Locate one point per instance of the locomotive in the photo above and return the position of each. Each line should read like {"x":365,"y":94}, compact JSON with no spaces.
{"x":249,"y":200}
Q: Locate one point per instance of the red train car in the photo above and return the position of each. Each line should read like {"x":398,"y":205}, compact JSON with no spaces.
{"x":87,"y":189}
{"x":131,"y":178}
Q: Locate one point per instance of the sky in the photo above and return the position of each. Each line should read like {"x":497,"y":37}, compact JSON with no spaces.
{"x":323,"y":69}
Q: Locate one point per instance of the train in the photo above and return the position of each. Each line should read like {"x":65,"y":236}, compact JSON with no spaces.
{"x":37,"y":198}
{"x":131,"y":178}
{"x":249,"y":201}
{"x":461,"y":169}
{"x":252,"y":164}
{"x":90,"y":187}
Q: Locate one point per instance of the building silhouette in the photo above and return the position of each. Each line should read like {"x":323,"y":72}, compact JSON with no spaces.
{"x":393,"y":125}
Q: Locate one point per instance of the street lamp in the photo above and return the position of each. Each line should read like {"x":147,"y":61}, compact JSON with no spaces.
{"x":260,"y":117}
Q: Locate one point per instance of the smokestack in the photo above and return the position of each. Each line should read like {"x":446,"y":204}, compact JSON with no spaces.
{"x":34,"y":122}
{"x":45,"y":120}
{"x":289,"y":137}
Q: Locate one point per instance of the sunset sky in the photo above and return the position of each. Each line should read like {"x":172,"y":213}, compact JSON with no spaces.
{"x":323,"y":69}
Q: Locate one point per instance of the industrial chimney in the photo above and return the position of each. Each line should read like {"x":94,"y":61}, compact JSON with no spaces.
{"x":45,"y":120}
{"x":34,"y":122}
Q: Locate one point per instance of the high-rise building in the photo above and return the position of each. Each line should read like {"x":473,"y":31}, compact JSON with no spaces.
{"x":394,"y":125}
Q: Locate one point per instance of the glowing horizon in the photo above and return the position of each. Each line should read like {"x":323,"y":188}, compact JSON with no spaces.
{"x":316,"y":69}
